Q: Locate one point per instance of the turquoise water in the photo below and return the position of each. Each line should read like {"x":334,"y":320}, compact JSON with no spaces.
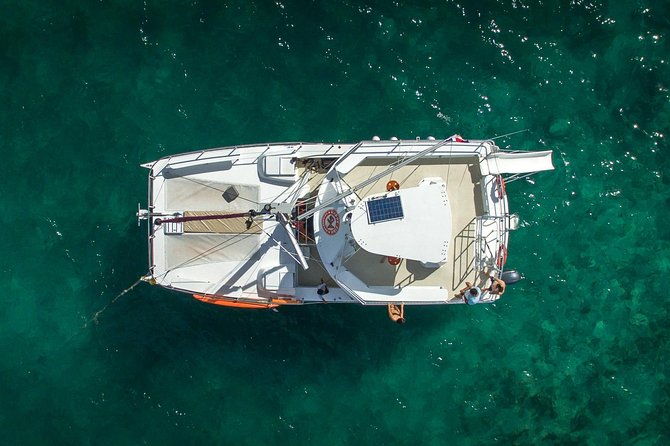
{"x":576,"y":353}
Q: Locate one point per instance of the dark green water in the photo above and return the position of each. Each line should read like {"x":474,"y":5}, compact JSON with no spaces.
{"x":576,"y":353}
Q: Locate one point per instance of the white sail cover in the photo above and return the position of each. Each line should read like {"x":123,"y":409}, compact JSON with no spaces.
{"x":516,"y":163}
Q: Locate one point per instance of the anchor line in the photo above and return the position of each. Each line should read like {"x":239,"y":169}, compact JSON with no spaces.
{"x":99,"y":312}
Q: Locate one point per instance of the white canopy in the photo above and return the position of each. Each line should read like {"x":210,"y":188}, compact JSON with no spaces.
{"x":422,"y":231}
{"x":516,"y":163}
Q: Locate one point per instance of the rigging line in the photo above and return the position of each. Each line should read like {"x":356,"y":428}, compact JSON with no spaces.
{"x":340,"y":256}
{"x":365,"y":194}
{"x":345,"y":183}
{"x":299,"y":186}
{"x":216,"y":189}
{"x":160,"y":190}
{"x":373,"y":179}
{"x":313,"y":198}
{"x":278,"y":243}
{"x":309,"y":200}
{"x":451,"y":160}
{"x":248,"y":277}
{"x":235,"y":239}
{"x":305,"y":172}
{"x":216,"y":247}
{"x":254,"y":273}
{"x":509,"y":134}
{"x":320,"y":263}
{"x":390,"y":177}
{"x":308,"y":239}
{"x":122,"y":293}
{"x":409,"y":174}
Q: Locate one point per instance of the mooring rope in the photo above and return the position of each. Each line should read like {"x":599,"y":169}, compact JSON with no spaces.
{"x":99,"y":312}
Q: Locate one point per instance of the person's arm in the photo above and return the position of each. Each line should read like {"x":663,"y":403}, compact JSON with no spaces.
{"x":402,"y":311}
{"x":468,"y":285}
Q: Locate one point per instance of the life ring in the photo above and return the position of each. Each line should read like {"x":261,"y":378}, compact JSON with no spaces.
{"x":330,"y":222}
{"x":392,"y":185}
{"x":502,"y":256}
{"x":394,"y":261}
{"x":500,"y":182}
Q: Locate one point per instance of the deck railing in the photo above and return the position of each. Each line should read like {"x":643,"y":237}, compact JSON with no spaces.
{"x":491,"y":230}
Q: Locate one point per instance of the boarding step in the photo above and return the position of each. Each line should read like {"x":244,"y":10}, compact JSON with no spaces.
{"x":173,"y":227}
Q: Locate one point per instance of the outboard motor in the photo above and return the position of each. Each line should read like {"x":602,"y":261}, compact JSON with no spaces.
{"x":511,"y":276}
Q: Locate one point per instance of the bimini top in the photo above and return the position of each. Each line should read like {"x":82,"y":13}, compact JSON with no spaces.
{"x":412,"y":223}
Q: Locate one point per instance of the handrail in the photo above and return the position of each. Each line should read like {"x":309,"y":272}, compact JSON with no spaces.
{"x":481,"y":245}
{"x":242,"y":146}
{"x":150,"y":207}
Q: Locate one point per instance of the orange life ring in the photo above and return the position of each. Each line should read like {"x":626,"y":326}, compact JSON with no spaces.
{"x":392,"y":185}
{"x":502,"y":256}
{"x":501,"y":186}
{"x":394,"y":260}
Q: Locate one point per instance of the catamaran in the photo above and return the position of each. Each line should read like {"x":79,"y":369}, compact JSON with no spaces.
{"x":374,"y":222}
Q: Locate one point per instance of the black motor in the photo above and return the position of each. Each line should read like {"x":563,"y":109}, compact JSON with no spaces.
{"x":511,"y":276}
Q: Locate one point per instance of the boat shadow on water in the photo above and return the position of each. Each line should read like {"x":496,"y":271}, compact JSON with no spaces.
{"x":151,"y":327}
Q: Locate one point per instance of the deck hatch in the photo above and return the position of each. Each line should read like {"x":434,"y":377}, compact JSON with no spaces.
{"x":384,"y":209}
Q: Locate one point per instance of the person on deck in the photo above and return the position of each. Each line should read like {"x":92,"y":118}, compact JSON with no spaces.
{"x":322,"y":290}
{"x":497,"y":286}
{"x":397,"y":313}
{"x":470,"y":294}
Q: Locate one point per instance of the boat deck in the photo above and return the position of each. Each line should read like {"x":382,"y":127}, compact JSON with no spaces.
{"x":228,"y":257}
{"x":462,"y":177}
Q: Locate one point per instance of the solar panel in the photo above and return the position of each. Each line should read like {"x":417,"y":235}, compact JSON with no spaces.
{"x":384,"y":209}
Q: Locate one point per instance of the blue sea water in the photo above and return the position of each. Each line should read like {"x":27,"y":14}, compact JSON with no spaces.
{"x":577,"y":353}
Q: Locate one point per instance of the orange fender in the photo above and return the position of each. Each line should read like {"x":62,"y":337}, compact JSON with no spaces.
{"x":227,"y":302}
